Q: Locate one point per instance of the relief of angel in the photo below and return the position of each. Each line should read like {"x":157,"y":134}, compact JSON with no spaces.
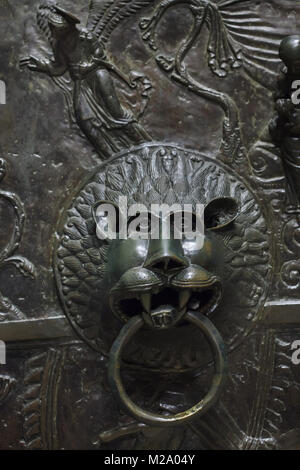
{"x":108,"y":124}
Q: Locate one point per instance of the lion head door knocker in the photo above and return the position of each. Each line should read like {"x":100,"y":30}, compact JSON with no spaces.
{"x":155,"y":304}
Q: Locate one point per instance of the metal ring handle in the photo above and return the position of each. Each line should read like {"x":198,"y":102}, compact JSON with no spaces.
{"x":217,"y":345}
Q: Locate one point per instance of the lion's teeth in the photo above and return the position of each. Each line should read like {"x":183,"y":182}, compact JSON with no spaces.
{"x":146,"y":302}
{"x":184,"y":296}
{"x":194,"y":305}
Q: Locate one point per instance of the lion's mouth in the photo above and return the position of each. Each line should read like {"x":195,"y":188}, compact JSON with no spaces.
{"x":166,"y":306}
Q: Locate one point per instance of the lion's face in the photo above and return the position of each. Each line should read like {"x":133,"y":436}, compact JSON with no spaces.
{"x":162,"y":278}
{"x":104,"y":283}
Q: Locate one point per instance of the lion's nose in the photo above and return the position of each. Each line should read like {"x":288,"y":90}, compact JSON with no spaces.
{"x":164,"y":255}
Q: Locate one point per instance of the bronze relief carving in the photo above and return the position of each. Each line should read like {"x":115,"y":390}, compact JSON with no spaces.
{"x":8,"y":257}
{"x":284,"y":129}
{"x":166,"y":102}
{"x":83,"y":260}
{"x":81,"y":52}
{"x":159,"y":279}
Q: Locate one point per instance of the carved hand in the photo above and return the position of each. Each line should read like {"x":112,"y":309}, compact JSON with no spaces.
{"x":32,"y":63}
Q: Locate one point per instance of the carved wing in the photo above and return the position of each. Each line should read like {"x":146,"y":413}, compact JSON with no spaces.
{"x":42,"y":15}
{"x":105,"y":17}
{"x":242,"y":33}
{"x":97,"y":10}
{"x":255,"y":29}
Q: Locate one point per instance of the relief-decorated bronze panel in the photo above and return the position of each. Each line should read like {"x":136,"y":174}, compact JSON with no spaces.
{"x":150,"y":341}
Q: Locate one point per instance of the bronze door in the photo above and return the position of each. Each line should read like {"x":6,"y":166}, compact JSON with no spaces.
{"x":141,"y":341}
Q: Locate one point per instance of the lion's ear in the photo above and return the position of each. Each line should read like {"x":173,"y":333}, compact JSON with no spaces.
{"x":220,"y":212}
